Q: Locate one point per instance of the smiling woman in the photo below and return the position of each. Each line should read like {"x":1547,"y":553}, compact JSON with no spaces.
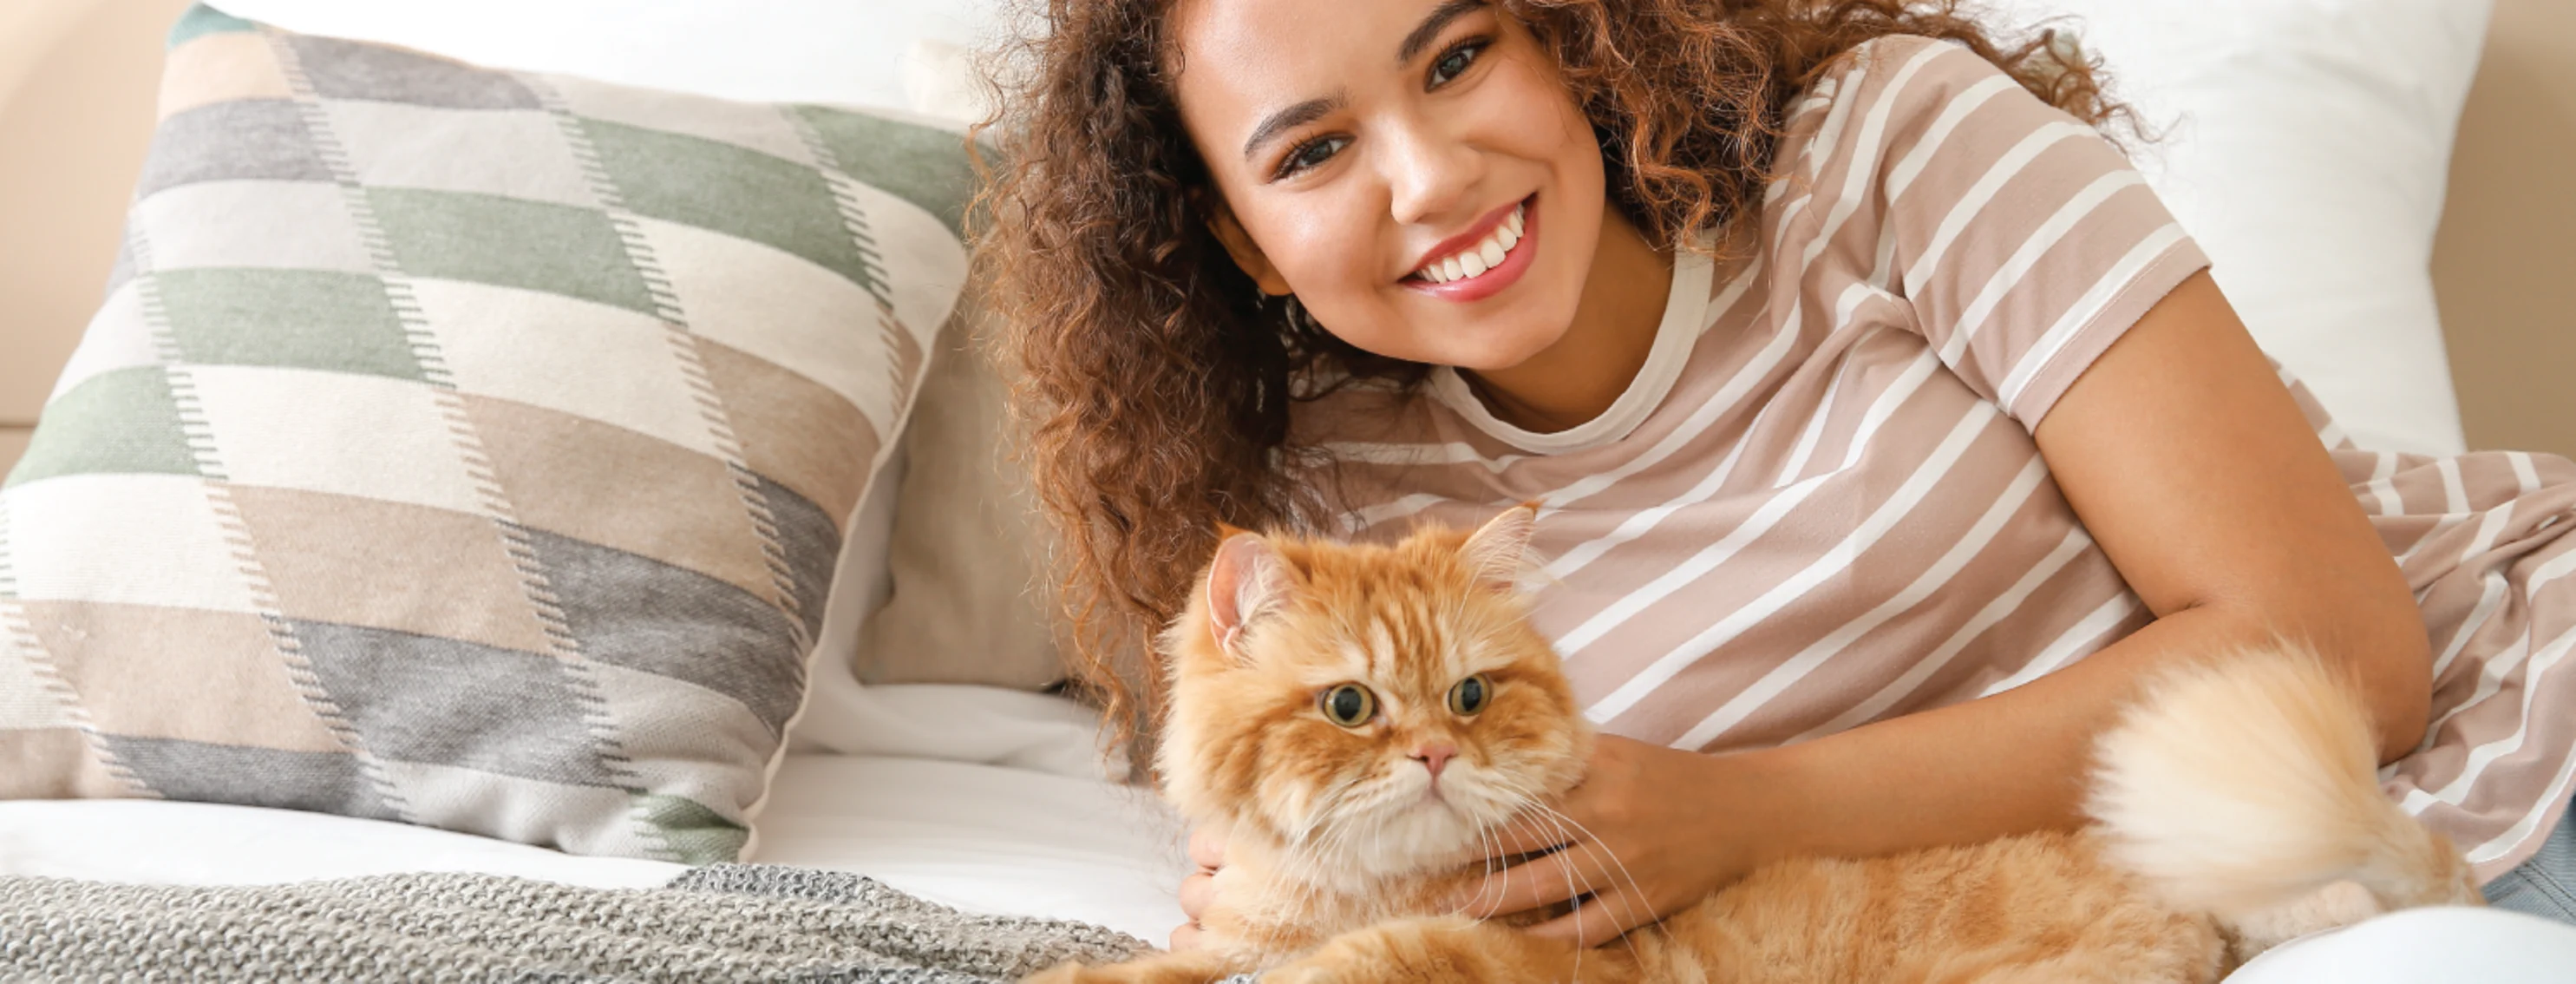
{"x":1385,"y":198}
{"x":1886,"y":429}
{"x":1361,"y":142}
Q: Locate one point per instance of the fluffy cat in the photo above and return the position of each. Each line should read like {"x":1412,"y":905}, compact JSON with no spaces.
{"x":1360,"y":719}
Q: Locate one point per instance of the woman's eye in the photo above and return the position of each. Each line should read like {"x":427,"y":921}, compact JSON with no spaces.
{"x":1470,"y":695}
{"x":1349,"y":705}
{"x":1312,"y":153}
{"x":1455,"y":61}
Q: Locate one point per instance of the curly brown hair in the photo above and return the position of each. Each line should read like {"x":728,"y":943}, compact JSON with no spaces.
{"x":1154,"y":385}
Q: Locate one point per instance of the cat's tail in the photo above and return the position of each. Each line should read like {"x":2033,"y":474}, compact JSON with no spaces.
{"x":2244,"y":785}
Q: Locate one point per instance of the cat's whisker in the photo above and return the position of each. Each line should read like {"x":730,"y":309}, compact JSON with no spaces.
{"x":1377,"y":832}
{"x":1593,"y":843}
{"x":1573,"y":890}
{"x":1321,"y":852}
{"x":1533,"y":811}
{"x":1593,"y":848}
{"x":1486,"y":845}
{"x":1574,"y":908}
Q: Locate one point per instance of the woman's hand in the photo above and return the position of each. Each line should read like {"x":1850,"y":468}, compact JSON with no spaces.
{"x":1207,"y":851}
{"x":1650,"y":831}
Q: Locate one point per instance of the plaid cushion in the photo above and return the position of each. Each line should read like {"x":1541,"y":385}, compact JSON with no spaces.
{"x":463,"y":447}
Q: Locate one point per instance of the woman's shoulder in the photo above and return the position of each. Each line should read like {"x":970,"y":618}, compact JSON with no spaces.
{"x":1896,"y":77}
{"x":1916,"y":56}
{"x":1905,"y":105}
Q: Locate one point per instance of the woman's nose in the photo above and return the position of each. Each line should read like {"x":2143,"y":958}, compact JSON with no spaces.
{"x":1429,"y":174}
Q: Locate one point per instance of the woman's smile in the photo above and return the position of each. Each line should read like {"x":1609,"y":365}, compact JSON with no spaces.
{"x":1484,"y":260}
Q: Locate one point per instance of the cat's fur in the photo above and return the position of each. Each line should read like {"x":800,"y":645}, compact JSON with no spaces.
{"x":2236,"y":806}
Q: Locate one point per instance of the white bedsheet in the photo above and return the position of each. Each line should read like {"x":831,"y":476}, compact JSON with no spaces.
{"x":985,"y":838}
{"x":982,"y":837}
{"x":979,"y":837}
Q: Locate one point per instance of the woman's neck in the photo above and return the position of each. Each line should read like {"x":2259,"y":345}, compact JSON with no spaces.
{"x":1580,"y":376}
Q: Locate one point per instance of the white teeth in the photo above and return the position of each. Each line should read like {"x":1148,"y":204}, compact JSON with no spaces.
{"x":1475,"y":260}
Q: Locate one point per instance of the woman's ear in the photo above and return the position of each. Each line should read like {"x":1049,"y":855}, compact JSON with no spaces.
{"x":1239,"y":245}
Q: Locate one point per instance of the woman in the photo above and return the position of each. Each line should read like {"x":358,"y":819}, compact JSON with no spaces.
{"x":1887,"y":427}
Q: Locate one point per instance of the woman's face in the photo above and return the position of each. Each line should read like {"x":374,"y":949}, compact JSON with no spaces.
{"x":1415,"y":171}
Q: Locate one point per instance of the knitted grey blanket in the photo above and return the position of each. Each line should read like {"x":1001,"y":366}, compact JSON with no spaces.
{"x":716,"y":924}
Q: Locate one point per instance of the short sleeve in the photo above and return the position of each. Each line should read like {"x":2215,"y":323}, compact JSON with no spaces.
{"x":2022,"y":239}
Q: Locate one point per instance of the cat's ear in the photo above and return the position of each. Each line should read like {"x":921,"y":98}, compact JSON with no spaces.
{"x":1499,"y":550}
{"x":1247,"y":579}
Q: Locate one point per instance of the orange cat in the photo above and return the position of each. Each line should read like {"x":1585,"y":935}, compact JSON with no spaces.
{"x":1361,"y":719}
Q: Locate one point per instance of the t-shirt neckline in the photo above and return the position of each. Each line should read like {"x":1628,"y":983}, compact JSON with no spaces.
{"x":1685,"y":314}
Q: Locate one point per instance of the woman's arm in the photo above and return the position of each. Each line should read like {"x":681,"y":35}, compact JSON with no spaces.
{"x":2192,"y":467}
{"x":2189,"y":464}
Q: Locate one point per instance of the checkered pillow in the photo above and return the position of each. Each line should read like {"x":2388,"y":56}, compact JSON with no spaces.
{"x":464,"y":447}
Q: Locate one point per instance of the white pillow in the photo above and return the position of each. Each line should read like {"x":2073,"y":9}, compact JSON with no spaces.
{"x":836,"y":51}
{"x":2306,"y":146}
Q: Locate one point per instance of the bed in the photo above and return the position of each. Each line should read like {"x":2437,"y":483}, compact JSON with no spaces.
{"x":993,"y":798}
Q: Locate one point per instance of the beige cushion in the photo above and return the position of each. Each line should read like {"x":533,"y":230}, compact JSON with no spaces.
{"x":970,"y":604}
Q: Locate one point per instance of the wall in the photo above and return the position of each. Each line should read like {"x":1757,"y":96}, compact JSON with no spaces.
{"x":2504,"y":264}
{"x":79,"y":118}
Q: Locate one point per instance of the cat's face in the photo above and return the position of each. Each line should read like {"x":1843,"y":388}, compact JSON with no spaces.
{"x":1374,"y":709}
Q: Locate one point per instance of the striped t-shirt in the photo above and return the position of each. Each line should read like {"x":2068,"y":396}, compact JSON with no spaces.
{"x":1819,"y":503}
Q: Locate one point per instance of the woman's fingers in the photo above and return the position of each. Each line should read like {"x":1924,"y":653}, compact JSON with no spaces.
{"x":1600,"y":919}
{"x":1528,"y":835}
{"x":1207,"y":848}
{"x":1207,"y":851}
{"x":1196,"y":890}
{"x":1545,"y":880}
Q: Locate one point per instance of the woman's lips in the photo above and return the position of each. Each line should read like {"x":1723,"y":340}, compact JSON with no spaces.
{"x":1515,"y":262}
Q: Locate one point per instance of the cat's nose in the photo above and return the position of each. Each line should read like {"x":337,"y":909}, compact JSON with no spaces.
{"x":1433,"y":757}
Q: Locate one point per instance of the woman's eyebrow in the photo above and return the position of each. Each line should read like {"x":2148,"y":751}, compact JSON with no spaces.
{"x":1314,"y":109}
{"x":1425,"y":32}
{"x":1290,"y":119}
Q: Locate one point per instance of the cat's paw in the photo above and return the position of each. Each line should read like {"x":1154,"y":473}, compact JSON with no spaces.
{"x":1385,"y":952}
{"x":1063,"y":973}
{"x":1133,"y":972}
{"x":1293,"y":974}
{"x":1161,"y":968}
{"x":1429,"y":950}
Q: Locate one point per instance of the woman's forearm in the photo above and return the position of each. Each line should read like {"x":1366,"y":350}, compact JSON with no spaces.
{"x":2011,"y":763}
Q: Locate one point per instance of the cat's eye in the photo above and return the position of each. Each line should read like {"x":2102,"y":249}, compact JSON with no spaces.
{"x":1349,"y":705}
{"x":1471,"y":695}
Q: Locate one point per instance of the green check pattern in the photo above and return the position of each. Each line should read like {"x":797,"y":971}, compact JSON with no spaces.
{"x":463,"y":447}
